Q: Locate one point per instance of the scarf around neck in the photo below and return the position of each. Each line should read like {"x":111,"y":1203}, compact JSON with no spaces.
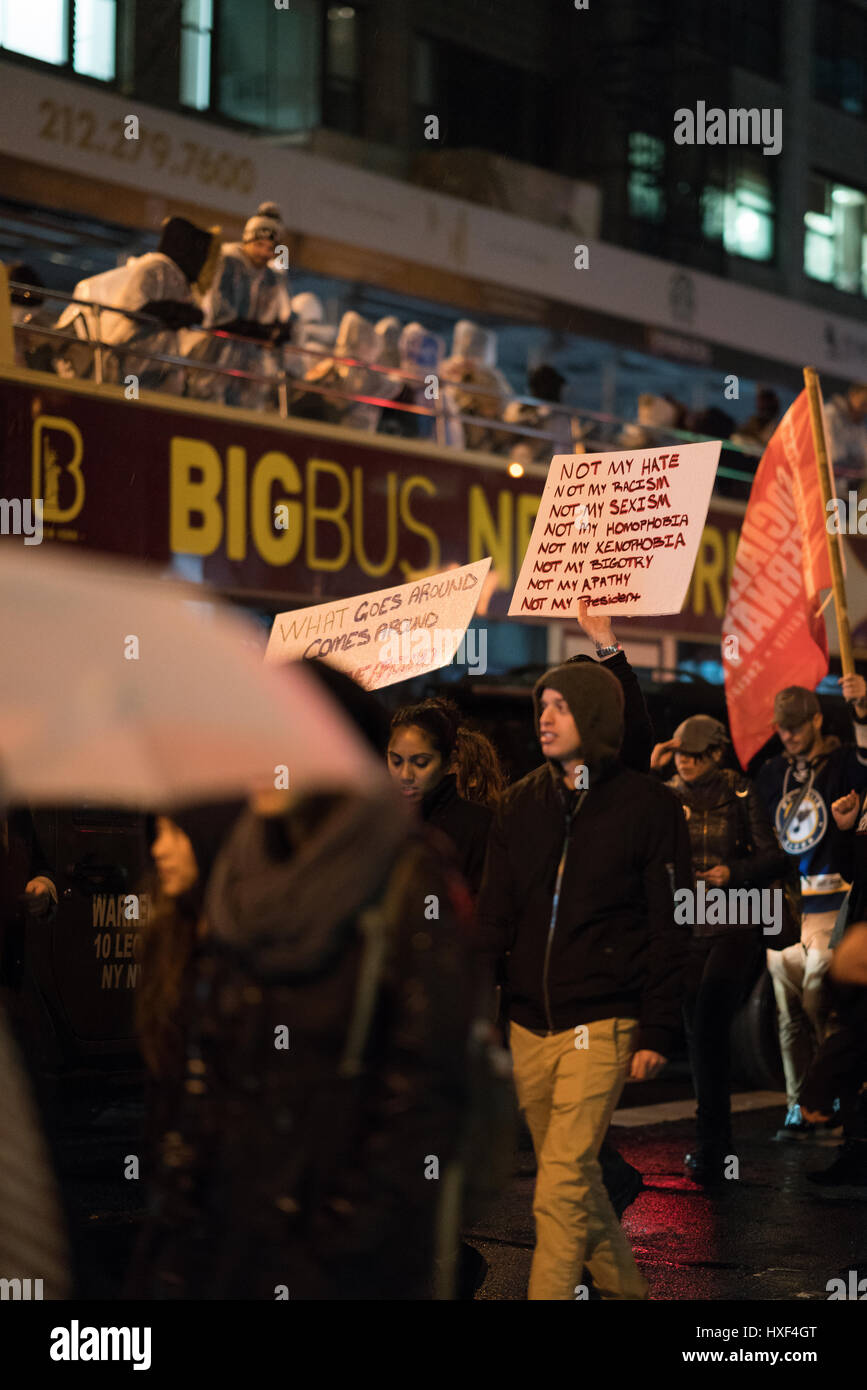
{"x":288,"y":908}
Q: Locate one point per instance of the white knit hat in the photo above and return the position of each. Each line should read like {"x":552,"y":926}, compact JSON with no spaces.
{"x":266,"y":224}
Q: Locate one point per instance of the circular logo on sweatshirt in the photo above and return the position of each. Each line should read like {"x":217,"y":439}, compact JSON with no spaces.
{"x":808,"y":824}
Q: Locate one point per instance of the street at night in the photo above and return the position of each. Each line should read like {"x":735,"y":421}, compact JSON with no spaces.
{"x":756,"y":1239}
{"x":433,"y":678}
{"x":768,"y":1235}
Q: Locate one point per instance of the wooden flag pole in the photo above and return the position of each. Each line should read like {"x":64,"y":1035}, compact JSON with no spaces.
{"x":814,"y":400}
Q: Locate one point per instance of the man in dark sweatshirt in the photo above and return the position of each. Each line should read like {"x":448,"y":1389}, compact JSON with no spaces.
{"x":578,"y":892}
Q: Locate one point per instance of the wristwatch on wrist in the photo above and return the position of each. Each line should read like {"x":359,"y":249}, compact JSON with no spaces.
{"x":603,"y":652}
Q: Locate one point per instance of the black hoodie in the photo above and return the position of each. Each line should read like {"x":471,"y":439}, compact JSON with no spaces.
{"x":607,"y":945}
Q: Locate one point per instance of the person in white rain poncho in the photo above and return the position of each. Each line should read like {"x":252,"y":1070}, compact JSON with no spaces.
{"x":249,"y":297}
{"x":480,"y":389}
{"x":158,"y":284}
{"x":309,"y":330}
{"x":357,"y":340}
{"x":421,"y":353}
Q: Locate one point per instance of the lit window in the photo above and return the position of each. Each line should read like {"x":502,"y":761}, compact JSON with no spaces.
{"x":36,"y":31}
{"x":818,"y":246}
{"x":835,"y":236}
{"x":749,"y":218}
{"x":268,"y":64}
{"x":93,"y":44}
{"x":741,"y":216}
{"x":713,"y":212}
{"x":342,"y":94}
{"x":197,"y":22}
{"x":41,"y":31}
{"x":342,"y":42}
{"x":646,"y":165}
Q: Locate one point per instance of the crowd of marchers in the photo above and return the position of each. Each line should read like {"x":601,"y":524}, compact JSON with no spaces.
{"x":343,"y":996}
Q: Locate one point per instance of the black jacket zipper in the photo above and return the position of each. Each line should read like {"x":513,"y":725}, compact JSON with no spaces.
{"x":555,"y":905}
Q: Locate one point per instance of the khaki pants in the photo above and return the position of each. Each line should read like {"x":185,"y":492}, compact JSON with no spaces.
{"x":568,"y":1095}
{"x":798,"y":974}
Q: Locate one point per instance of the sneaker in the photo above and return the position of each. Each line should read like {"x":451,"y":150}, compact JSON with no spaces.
{"x":849,"y":1168}
{"x":794,"y":1127}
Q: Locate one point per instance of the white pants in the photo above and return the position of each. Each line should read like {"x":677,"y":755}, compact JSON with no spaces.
{"x":798,"y":973}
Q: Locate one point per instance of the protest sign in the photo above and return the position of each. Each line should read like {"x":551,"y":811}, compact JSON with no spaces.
{"x":620,"y":530}
{"x":390,"y":635}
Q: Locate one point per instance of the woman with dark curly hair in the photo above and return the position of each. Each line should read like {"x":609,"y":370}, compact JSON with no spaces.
{"x":477,"y":768}
{"x":420,"y":751}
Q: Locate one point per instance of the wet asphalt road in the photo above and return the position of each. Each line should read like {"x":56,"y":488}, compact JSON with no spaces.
{"x":767,"y":1236}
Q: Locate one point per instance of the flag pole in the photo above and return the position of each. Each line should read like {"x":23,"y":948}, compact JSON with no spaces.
{"x":814,"y":400}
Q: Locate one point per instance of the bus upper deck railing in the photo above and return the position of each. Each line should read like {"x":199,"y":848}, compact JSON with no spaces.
{"x":583,"y":424}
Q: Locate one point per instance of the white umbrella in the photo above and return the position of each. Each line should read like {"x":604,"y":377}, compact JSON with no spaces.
{"x":115,"y":689}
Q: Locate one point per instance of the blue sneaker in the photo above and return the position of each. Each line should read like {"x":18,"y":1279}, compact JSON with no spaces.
{"x":795,"y":1126}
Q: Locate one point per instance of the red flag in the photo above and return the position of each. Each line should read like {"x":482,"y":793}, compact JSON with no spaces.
{"x":773,"y":635}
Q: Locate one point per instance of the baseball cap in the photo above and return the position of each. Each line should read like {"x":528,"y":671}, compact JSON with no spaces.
{"x":794,"y":706}
{"x":700,"y":732}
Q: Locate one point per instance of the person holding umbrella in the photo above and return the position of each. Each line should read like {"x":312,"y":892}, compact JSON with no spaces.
{"x":132,"y":738}
{"x":320,"y":1137}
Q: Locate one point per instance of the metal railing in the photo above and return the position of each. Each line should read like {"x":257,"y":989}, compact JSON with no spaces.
{"x":284,"y":383}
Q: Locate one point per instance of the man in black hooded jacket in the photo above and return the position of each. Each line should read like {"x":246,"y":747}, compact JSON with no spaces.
{"x":578,"y":894}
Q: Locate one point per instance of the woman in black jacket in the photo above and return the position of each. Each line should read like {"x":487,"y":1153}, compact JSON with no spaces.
{"x":420,"y":749}
{"x":733,"y":847}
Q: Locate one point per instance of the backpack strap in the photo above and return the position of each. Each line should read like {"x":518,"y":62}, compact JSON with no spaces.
{"x":376,"y":923}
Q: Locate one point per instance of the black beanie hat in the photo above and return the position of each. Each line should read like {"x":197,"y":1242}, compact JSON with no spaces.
{"x":595,"y":700}
{"x":186,"y":244}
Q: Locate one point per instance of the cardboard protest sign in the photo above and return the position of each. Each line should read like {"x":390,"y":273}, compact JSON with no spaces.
{"x":390,"y":635}
{"x":620,"y":530}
